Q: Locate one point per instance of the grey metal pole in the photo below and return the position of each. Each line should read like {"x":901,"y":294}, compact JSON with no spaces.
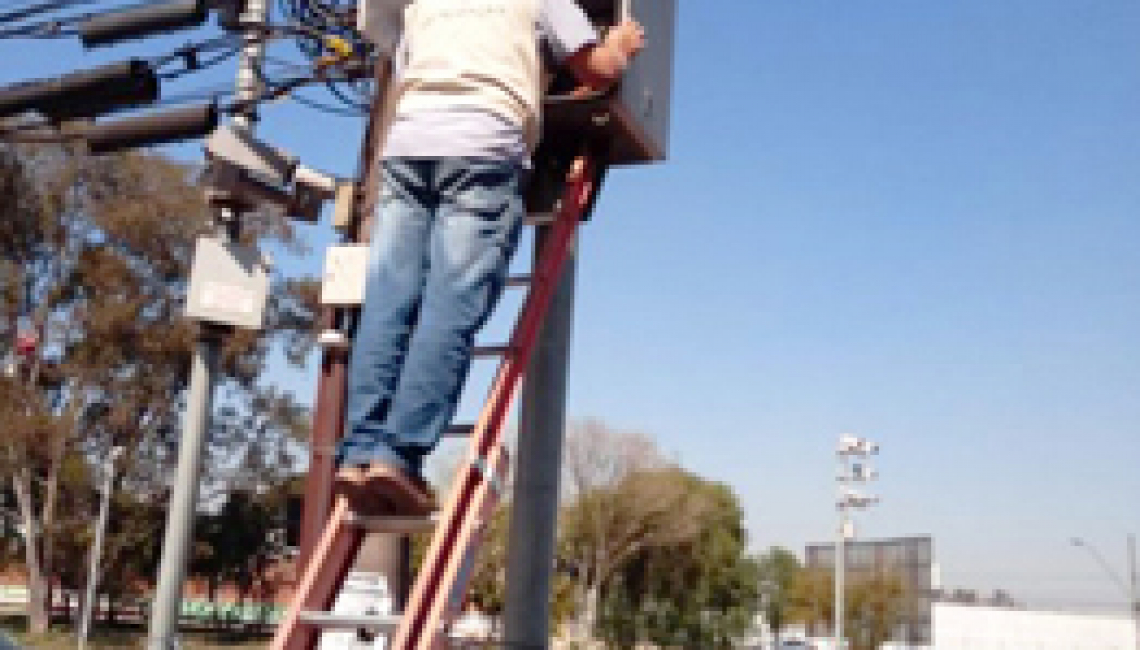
{"x":534,"y":509}
{"x":840,"y":565}
{"x":180,"y":516}
{"x":1134,"y":594}
{"x":108,"y":467}
{"x":183,"y":504}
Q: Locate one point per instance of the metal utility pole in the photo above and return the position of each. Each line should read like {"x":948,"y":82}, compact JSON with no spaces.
{"x":183,"y":503}
{"x":840,"y":568}
{"x":1130,"y":588}
{"x":850,"y":447}
{"x":336,"y":325}
{"x":534,"y":510}
{"x":108,"y":469}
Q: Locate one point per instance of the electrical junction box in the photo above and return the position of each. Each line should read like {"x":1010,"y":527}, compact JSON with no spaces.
{"x":229,"y":285}
{"x":632,"y":118}
{"x":346,"y":269}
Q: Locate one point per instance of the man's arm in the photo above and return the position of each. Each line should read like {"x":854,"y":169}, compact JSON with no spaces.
{"x":601,"y":65}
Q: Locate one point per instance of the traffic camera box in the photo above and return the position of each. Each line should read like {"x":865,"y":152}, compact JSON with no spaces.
{"x":632,"y":118}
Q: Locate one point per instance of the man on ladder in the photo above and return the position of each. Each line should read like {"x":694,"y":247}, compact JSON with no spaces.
{"x":464,"y":118}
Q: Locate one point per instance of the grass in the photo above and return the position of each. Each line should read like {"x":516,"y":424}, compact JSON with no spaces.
{"x":122,"y":637}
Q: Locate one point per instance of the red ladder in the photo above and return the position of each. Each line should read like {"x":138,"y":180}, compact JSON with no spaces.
{"x":441,"y":582}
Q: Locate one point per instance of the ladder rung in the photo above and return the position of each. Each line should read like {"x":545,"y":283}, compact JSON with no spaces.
{"x":484,"y":351}
{"x":519,"y":281}
{"x":459,"y":430}
{"x":539,"y":218}
{"x":394,"y":525}
{"x":333,"y":621}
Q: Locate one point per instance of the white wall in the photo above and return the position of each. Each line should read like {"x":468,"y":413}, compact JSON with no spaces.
{"x":969,"y":627}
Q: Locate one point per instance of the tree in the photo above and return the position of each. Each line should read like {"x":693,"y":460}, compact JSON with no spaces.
{"x":94,"y":256}
{"x":621,"y":500}
{"x":874,"y":604}
{"x":778,"y":570}
{"x":487,"y":589}
{"x":812,"y":598}
{"x":237,"y":544}
{"x":696,"y":592}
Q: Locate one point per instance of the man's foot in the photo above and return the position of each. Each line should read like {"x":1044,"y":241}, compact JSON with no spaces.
{"x":380,"y":489}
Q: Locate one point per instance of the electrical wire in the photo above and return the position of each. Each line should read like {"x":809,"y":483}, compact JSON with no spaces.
{"x":47,"y":29}
{"x":54,"y":28}
{"x":201,"y":65}
{"x":28,"y":12}
{"x":192,"y":49}
{"x":324,"y":108}
{"x":201,"y":94}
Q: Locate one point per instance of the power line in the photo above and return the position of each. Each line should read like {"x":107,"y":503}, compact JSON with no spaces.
{"x":32,"y":10}
{"x":201,"y":65}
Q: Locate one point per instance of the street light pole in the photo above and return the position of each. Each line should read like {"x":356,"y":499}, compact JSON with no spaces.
{"x":850,"y":447}
{"x":1133,"y":594}
{"x":840,"y":568}
{"x":1130,"y":588}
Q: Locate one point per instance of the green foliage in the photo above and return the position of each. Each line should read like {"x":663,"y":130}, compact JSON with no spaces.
{"x":94,"y":258}
{"x":694,"y":592}
{"x":237,"y":544}
{"x":778,"y":570}
{"x":488,"y":587}
{"x":874,"y":604}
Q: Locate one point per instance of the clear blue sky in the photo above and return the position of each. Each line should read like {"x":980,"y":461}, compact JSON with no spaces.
{"x":914,"y":221}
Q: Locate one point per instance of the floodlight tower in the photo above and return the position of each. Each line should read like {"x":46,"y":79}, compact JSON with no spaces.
{"x":852,"y":454}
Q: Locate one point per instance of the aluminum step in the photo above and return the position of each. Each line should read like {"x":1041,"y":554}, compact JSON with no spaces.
{"x":380,"y":623}
{"x":333,"y":621}
{"x":539,"y":218}
{"x":394,"y":525}
{"x":485,"y":351}
{"x":459,"y":430}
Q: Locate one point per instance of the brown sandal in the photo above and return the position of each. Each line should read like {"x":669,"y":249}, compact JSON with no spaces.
{"x":377,"y":488}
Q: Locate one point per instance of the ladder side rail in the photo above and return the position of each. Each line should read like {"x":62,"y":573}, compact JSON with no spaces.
{"x":329,"y":563}
{"x":429,"y":595}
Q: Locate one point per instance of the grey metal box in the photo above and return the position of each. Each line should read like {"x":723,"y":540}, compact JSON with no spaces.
{"x":229,"y":284}
{"x":634,"y":116}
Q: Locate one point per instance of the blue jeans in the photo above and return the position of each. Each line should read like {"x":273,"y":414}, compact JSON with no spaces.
{"x":444,"y":234}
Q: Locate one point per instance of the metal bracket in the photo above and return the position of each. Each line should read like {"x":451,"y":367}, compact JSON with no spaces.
{"x":334,"y":339}
{"x":479,"y":464}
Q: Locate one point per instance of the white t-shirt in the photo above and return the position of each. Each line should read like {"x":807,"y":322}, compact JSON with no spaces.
{"x":463,"y":131}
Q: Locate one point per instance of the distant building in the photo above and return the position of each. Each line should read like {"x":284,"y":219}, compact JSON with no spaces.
{"x":959,"y":626}
{"x":909,"y":558}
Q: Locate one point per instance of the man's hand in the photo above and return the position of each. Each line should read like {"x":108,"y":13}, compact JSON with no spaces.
{"x":627,"y":38}
{"x":602,"y":65}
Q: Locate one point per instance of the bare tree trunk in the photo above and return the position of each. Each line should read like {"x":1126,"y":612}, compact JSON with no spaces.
{"x":590,"y":610}
{"x":39,"y":619}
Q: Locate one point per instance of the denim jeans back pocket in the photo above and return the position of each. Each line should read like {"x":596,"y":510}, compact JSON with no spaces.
{"x":485,"y":189}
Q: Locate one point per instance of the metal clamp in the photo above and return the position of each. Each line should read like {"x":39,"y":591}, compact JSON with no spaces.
{"x":479,"y":464}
